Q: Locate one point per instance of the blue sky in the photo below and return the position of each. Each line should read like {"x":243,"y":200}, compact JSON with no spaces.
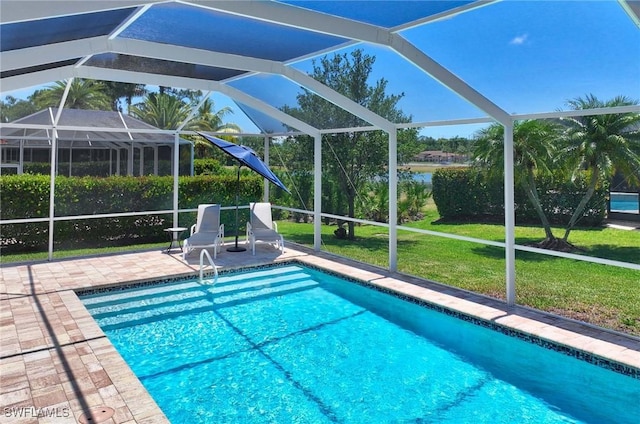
{"x":525,"y":56}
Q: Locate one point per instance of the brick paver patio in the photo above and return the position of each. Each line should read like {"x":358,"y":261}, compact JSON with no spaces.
{"x":57,"y":366}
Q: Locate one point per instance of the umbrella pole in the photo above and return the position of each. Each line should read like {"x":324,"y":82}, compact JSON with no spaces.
{"x":237,"y":248}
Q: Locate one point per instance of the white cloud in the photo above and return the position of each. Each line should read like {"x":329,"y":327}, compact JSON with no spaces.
{"x":520,"y":39}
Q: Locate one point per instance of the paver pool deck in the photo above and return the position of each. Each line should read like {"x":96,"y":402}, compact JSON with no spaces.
{"x":57,"y":366}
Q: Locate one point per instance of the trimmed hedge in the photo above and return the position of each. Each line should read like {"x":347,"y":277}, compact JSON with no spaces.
{"x":469,"y":194}
{"x":208,"y":166}
{"x":27,"y":196}
{"x":95,"y":169}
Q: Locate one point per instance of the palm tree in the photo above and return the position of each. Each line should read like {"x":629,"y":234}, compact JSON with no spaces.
{"x":208,"y":120}
{"x":214,"y":120}
{"x":601,"y":145}
{"x":168,"y":111}
{"x":533,"y":152}
{"x":83,"y":94}
{"x":161,"y":110}
{"x":119,"y":90}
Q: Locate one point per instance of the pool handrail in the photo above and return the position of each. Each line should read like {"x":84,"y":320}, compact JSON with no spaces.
{"x":204,"y":252}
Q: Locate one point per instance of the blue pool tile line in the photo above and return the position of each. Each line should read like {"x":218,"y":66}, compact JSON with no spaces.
{"x":511,"y":332}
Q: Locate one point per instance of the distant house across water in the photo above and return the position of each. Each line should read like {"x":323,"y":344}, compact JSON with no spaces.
{"x":439,"y":156}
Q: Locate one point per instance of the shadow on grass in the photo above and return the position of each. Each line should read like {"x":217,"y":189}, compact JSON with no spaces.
{"x":370,"y":243}
{"x":602,"y":251}
{"x":616,"y":253}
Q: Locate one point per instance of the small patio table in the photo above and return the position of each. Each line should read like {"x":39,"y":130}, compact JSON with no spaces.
{"x":174,"y":237}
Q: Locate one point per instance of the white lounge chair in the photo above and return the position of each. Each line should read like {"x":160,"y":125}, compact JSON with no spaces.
{"x":206,"y":232}
{"x":261,"y":228}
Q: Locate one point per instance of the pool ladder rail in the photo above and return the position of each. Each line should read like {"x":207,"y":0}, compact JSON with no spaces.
{"x":204,"y":253}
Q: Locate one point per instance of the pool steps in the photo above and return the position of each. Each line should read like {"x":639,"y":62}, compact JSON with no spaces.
{"x":158,"y":302}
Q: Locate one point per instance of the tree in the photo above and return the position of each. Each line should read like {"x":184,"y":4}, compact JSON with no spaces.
{"x":601,"y":145}
{"x":208,"y":119}
{"x":119,"y":90}
{"x":351,"y":159}
{"x":170,"y":109}
{"x":12,"y":109}
{"x":533,"y":152}
{"x":83,"y":94}
{"x":163,"y":111}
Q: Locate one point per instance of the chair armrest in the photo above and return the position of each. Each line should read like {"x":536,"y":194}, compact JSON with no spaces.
{"x":221,"y":231}
{"x":249,"y":228}
{"x":193,"y":229}
{"x":275,"y":226}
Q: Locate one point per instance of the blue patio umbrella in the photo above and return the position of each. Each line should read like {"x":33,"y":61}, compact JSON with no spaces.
{"x":245,"y":157}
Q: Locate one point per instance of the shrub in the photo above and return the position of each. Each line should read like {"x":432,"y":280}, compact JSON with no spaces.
{"x":469,"y":194}
{"x":208,"y":166}
{"x":27,"y":196}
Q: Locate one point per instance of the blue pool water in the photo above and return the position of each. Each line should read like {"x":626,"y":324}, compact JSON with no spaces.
{"x":289,"y":344}
{"x":624,"y":202}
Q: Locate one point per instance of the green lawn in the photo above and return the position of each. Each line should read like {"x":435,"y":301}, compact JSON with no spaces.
{"x":603,"y":295}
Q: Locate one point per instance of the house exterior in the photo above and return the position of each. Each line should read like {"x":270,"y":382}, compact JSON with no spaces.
{"x":90,"y":142}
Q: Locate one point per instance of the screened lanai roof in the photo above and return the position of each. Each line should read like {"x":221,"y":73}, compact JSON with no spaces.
{"x":85,"y":128}
{"x":454,"y":61}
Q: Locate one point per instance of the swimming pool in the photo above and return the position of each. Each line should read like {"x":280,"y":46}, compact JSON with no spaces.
{"x":292,"y":344}
{"x":624,"y":202}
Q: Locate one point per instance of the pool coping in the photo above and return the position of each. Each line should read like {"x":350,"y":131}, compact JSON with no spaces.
{"x":38,"y":366}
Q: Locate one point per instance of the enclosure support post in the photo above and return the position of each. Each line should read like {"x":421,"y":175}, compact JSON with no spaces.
{"x":509,"y":215}
{"x":393,"y":200}
{"x":317,"y":192}
{"x":176,"y":158}
{"x":52,"y":187}
{"x":265,"y":183}
{"x":54,"y":154}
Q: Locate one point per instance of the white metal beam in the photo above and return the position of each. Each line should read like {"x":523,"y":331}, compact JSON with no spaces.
{"x":30,"y":57}
{"x":338,"y":99}
{"x":632,"y":7}
{"x":193,"y":84}
{"x":128,"y":22}
{"x":50,"y":53}
{"x":176,"y":180}
{"x":182,"y":54}
{"x":447,"y":14}
{"x":271,"y":12}
{"x":289,"y":120}
{"x":509,"y":216}
{"x":352,"y":30}
{"x":580,"y":112}
{"x":208,"y":58}
{"x":20,"y":10}
{"x":446,"y":77}
{"x":33,"y":79}
{"x":284,"y":14}
{"x":194,"y":110}
{"x":393,"y":201}
{"x":317,"y":192}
